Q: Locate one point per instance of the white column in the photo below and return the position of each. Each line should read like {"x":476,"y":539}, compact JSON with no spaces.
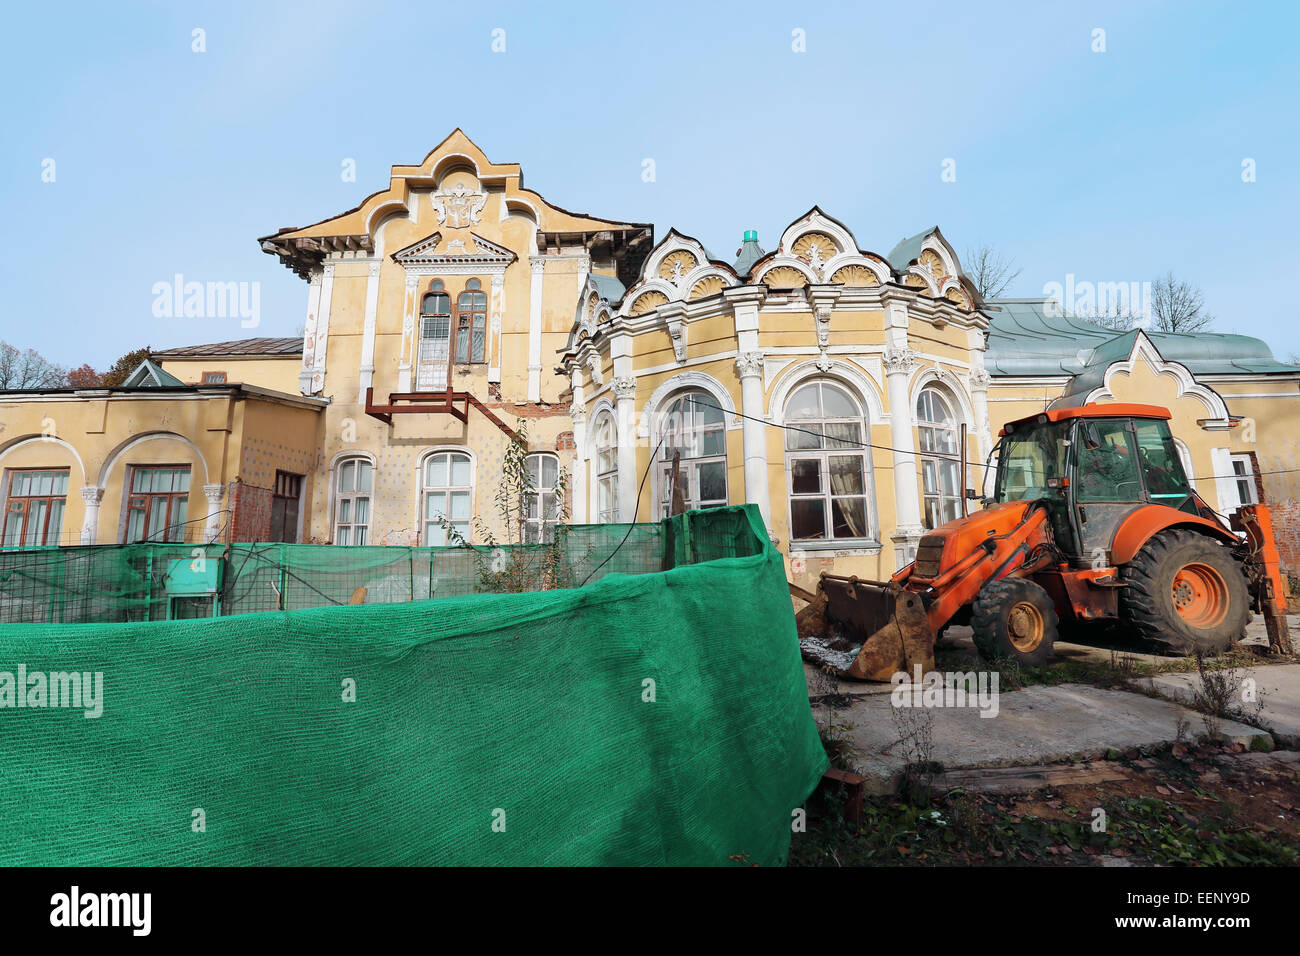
{"x":212,"y":526}
{"x":535,"y":330}
{"x":92,"y":496}
{"x":406,"y":352}
{"x":367,"y":376}
{"x":309,"y":333}
{"x":322,"y":330}
{"x":578,"y":412}
{"x":498,"y":308}
{"x":750,"y":367}
{"x":625,"y":393}
{"x":900,"y":361}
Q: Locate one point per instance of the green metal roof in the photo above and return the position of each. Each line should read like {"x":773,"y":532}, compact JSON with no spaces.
{"x":750,"y":252}
{"x":1026,"y":338}
{"x":149,"y":375}
{"x":608,"y":287}
{"x":908,"y":250}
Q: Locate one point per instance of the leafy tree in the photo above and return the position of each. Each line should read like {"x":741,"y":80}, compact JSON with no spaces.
{"x":119,"y":370}
{"x":84,"y":377}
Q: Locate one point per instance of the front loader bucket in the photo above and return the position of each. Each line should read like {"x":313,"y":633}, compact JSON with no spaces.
{"x":872,"y":630}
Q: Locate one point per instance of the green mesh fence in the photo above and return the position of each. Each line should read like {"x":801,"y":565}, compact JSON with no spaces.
{"x":653,"y":718}
{"x":141,"y":582}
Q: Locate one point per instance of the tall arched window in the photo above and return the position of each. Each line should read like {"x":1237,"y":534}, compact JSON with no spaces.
{"x":353,"y":487}
{"x":694,"y":426}
{"x":941,"y":480}
{"x":471,"y":323}
{"x":446,"y":487}
{"x":435,"y":339}
{"x":542,"y":509}
{"x":828,"y":467}
{"x":605,"y":447}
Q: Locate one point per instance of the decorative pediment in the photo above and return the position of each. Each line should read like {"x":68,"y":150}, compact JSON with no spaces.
{"x":477,"y":252}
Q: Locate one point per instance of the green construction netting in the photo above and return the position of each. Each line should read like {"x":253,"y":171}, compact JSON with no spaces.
{"x":487,"y":728}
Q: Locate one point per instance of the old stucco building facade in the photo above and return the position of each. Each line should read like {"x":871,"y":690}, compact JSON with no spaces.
{"x":825,"y":382}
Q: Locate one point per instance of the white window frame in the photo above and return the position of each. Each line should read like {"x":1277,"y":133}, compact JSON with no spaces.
{"x":691,"y":465}
{"x":426,"y":524}
{"x":541,"y":529}
{"x":342,"y":495}
{"x":1243,"y":475}
{"x":939,"y":460}
{"x":870,"y":537}
{"x":604,"y":455}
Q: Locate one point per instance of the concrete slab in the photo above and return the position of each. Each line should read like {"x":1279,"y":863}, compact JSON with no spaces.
{"x":1277,"y":688}
{"x":1036,"y":725}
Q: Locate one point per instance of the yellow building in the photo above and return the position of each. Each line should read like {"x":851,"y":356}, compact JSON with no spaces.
{"x":155,"y":459}
{"x":826,"y":383}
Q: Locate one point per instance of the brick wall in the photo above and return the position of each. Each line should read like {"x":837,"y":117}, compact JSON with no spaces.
{"x":250,"y":519}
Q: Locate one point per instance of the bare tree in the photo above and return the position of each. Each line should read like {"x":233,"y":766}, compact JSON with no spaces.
{"x":28,"y":369}
{"x":990,"y":272}
{"x":1177,"y":306}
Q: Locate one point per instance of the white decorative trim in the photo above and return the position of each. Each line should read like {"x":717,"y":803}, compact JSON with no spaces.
{"x":899,"y":360}
{"x":459,"y":206}
{"x":749,"y":363}
{"x":45,"y":440}
{"x":684,"y":381}
{"x":107,"y":469}
{"x":1187,"y":384}
{"x":623,"y":388}
{"x":867,"y":392}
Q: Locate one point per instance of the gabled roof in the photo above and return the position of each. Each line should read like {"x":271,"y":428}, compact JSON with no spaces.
{"x":149,"y":375}
{"x":908,"y":250}
{"x":237,"y":347}
{"x":1034,"y":337}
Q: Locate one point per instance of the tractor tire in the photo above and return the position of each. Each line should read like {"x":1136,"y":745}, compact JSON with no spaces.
{"x":1187,"y":592}
{"x":1014,"y":619}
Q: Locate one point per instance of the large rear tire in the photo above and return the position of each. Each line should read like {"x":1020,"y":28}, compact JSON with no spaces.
{"x":1186,"y":592}
{"x":1014,"y":619}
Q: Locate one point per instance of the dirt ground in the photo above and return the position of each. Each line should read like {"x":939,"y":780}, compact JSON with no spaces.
{"x":1207,"y":806}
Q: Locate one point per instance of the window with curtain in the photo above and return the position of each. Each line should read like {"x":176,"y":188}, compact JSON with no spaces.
{"x":941,"y":481}
{"x":606,"y":457}
{"x":471,"y":323}
{"x":693,"y":425}
{"x":34,"y":514}
{"x":353,"y":486}
{"x":542,"y":509}
{"x":435,"y":339}
{"x":827,"y":466}
{"x":446,"y":492}
{"x":157,"y":503}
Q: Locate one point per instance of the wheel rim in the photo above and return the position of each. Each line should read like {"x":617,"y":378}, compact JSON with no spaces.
{"x":1025,"y":627}
{"x":1200,"y":596}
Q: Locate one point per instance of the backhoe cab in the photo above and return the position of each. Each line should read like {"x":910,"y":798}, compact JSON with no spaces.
{"x":1092,"y":519}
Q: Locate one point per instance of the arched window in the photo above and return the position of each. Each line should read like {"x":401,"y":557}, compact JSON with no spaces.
{"x":941,"y":480}
{"x":828,"y":466}
{"x":471,"y":323}
{"x":353,"y":486}
{"x":542,"y":509}
{"x":445,"y":490}
{"x":606,"y":457}
{"x":435,"y":339}
{"x":694,"y":426}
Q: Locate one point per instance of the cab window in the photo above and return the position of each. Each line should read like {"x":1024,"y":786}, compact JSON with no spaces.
{"x":1161,"y":466}
{"x":1107,"y":464}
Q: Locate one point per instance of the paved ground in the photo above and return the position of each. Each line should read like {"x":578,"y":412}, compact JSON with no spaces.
{"x":1042,"y":724}
{"x":1276,"y":689}
{"x":1036,"y":725}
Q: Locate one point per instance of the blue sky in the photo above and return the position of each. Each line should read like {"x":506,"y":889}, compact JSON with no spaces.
{"x":1113,"y":167}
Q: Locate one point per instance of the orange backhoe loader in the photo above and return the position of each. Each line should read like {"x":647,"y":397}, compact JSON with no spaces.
{"x":1092,"y":519}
